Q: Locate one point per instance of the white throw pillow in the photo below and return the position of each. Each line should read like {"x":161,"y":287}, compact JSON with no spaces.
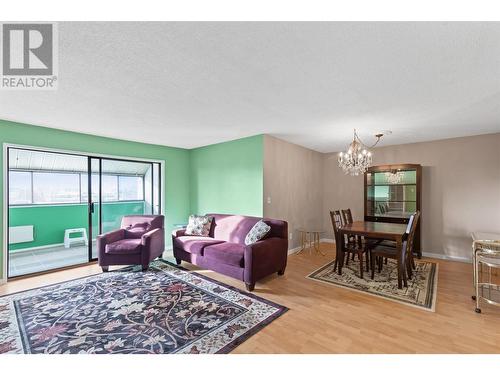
{"x":199,"y":225}
{"x":258,"y":232}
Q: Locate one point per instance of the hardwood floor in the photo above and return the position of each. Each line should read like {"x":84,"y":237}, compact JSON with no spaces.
{"x":327,"y":319}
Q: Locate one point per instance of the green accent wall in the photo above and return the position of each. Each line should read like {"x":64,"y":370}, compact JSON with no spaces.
{"x":176,"y":194}
{"x":223,"y":178}
{"x":50,"y":221}
{"x":228,"y":177}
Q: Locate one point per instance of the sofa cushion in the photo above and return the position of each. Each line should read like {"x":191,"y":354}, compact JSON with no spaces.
{"x":126,"y":246}
{"x":226,"y":252}
{"x":199,"y":225}
{"x":194,"y":244}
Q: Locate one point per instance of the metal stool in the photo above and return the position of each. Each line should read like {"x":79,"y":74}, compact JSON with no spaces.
{"x":486,"y":253}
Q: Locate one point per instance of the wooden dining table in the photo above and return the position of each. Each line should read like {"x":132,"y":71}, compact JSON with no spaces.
{"x":376,"y":230}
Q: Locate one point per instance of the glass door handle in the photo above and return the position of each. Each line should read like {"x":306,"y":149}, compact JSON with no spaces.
{"x":91,"y":208}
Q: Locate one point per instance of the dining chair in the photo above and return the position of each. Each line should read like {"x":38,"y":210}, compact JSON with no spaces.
{"x":391,"y":243}
{"x":351,"y":238}
{"x":349,"y":247}
{"x":381,"y":251}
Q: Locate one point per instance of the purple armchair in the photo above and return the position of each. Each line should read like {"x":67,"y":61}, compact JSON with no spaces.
{"x":140,"y":239}
{"x":224,"y":250}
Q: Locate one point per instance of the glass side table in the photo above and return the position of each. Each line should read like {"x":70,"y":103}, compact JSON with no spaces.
{"x":309,"y":238}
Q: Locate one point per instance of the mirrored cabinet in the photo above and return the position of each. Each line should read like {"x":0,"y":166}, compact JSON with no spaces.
{"x":393,"y":193}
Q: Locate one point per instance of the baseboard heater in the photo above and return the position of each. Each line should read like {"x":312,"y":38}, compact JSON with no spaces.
{"x":21,"y":234}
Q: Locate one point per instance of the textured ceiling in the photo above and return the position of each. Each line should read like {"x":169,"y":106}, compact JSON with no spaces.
{"x":193,"y":84}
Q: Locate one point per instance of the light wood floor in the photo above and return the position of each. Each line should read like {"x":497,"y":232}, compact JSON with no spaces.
{"x":327,"y":319}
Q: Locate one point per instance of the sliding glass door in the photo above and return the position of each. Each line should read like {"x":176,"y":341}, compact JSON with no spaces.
{"x":58,"y":203}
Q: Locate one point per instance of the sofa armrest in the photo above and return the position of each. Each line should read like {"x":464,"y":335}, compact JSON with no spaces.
{"x":178,"y":232}
{"x":153,"y":243}
{"x":152,"y":237}
{"x":263,"y":256}
{"x":107,"y":238}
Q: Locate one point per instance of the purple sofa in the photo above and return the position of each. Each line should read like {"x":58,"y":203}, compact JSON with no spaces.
{"x":140,"y":239}
{"x":224,"y":251}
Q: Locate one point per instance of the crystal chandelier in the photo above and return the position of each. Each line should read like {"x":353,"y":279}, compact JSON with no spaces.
{"x":394,"y":177}
{"x":357,"y":159}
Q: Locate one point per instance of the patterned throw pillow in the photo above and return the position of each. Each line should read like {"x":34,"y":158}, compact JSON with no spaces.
{"x":258,"y":232}
{"x":198,"y":225}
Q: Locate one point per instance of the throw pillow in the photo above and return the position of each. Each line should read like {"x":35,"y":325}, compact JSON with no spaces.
{"x":199,"y":225}
{"x":258,"y":232}
{"x":137,"y":230}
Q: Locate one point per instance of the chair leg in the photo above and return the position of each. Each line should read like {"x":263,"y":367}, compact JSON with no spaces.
{"x":408,"y":269}
{"x":412,"y":261}
{"x":353,"y":256}
{"x":403,"y":274}
{"x":367,"y":261}
{"x":335,"y":265}
{"x":360,"y":257}
{"x":380,"y":261}
{"x":347,"y":259}
{"x":385,"y":260}
{"x":250,"y":287}
{"x":372,"y":262}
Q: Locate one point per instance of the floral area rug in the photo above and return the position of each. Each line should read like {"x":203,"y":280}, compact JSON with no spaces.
{"x":420,"y":293}
{"x":162,"y":310}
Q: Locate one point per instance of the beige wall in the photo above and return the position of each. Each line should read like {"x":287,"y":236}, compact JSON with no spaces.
{"x":460,"y":189}
{"x":293,"y":181}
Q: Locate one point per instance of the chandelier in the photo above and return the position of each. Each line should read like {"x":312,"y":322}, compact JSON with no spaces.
{"x":357,"y":159}
{"x":394,"y":176}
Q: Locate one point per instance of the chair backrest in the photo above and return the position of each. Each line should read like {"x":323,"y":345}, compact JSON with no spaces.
{"x":234,"y":228}
{"x":337,"y":224}
{"x":152,"y":221}
{"x":347,"y":216}
{"x":412,"y":223}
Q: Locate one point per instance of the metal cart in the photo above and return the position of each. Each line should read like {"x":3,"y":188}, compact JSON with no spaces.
{"x":486,"y":254}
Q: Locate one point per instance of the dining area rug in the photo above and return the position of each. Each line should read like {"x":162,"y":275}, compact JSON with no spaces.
{"x":163,"y":310}
{"x":420,"y":293}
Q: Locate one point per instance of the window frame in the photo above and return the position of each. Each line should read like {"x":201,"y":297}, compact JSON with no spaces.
{"x":82,"y":200}
{"x":142,"y":190}
{"x":30,"y":187}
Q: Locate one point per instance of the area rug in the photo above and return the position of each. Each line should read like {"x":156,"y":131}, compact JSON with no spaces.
{"x":163,"y":310}
{"x":420,"y":293}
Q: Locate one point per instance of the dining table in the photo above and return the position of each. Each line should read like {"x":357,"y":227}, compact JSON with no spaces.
{"x":376,"y":231}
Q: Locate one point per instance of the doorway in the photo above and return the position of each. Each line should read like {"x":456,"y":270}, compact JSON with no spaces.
{"x":59,"y":202}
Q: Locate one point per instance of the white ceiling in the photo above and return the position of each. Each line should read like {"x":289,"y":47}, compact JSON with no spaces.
{"x":193,"y":84}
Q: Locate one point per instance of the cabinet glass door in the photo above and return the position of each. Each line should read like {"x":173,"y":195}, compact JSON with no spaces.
{"x":392,"y":193}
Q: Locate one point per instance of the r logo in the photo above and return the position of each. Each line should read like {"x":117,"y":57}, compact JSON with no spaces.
{"x":27,"y":49}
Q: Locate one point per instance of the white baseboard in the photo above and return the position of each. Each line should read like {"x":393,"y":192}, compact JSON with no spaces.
{"x":327,"y":240}
{"x":425,"y":254}
{"x":297,"y":249}
{"x":447,"y":257}
{"x":36,"y":248}
{"x":294,"y":250}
